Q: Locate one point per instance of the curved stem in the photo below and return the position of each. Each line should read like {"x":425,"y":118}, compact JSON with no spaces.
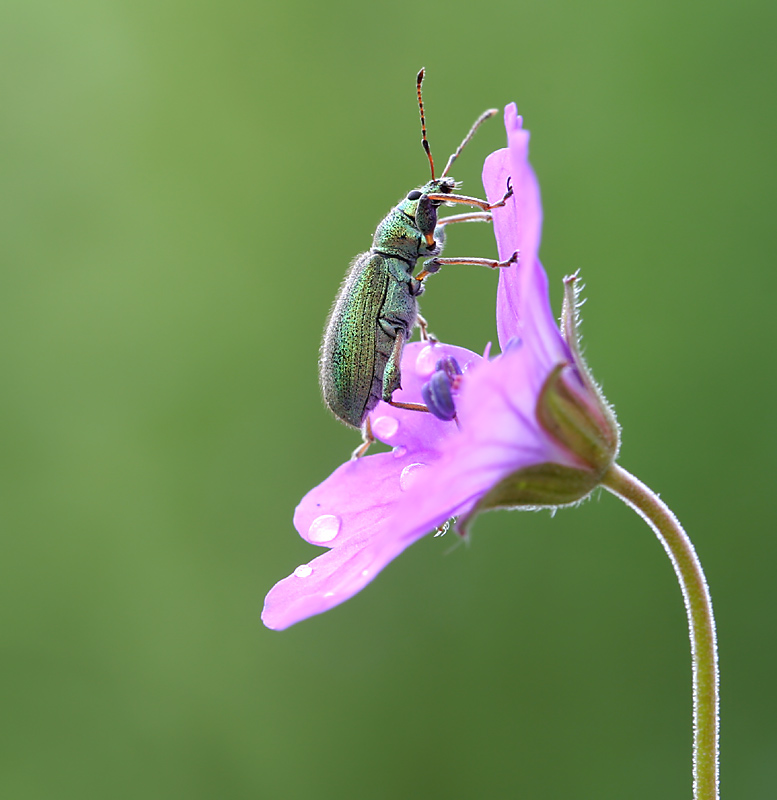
{"x":700,"y":621}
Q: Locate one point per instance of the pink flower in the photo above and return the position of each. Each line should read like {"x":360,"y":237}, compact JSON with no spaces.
{"x":531,"y":427}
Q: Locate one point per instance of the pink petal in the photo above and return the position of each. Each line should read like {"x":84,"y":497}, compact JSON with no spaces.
{"x":329,"y":579}
{"x":412,"y":429}
{"x":351,"y":504}
{"x":350,"y":511}
{"x":500,"y":434}
{"x":523,"y":304}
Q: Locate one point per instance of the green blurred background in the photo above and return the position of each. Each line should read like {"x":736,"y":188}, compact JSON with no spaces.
{"x":182,"y":186}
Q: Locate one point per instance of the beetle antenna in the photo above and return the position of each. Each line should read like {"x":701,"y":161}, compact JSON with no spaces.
{"x":478,"y":122}
{"x":424,"y":141}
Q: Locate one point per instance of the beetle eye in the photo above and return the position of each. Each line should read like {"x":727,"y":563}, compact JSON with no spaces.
{"x":414,"y":195}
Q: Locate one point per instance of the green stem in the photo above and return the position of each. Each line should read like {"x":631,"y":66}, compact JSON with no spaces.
{"x":700,"y":621}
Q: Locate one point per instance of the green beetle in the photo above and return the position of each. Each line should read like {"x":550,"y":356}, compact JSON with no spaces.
{"x":376,"y":309}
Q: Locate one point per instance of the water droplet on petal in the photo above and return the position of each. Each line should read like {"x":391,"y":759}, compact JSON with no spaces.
{"x":329,"y":594}
{"x":385,"y":427}
{"x":410,"y":475}
{"x":303,"y":571}
{"x":426,"y":359}
{"x":365,"y":573}
{"x":324,"y":528}
{"x":399,"y":451}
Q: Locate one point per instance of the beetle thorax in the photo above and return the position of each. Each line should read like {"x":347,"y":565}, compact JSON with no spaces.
{"x":402,"y":232}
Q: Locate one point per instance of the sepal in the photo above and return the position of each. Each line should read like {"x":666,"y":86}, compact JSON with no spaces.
{"x":546,"y":485}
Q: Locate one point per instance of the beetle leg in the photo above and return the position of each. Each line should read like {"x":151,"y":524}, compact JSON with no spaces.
{"x":424,"y":326}
{"x":391,"y":377}
{"x":434,"y":264}
{"x":389,"y":328}
{"x":415,"y":287}
{"x":392,"y":380}
{"x":507,"y":195}
{"x":475,"y":216}
{"x":462,"y":199}
{"x":367,"y":440}
{"x":473,"y":201}
{"x":408,"y":406}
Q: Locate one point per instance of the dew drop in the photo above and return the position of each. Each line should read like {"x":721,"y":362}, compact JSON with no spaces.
{"x":399,"y":451}
{"x":303,"y":571}
{"x":385,"y":427}
{"x":324,"y":528}
{"x":410,"y":475}
{"x":329,"y":594}
{"x":425,"y":361}
{"x":365,"y":573}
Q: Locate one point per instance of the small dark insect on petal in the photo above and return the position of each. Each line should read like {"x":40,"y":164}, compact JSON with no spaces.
{"x":437,"y":392}
{"x":449,"y":366}
{"x":438,"y":398}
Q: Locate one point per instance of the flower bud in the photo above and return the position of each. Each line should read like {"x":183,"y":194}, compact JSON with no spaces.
{"x":572,"y":407}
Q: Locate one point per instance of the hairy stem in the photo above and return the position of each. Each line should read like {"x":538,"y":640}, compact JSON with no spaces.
{"x":700,"y":622}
